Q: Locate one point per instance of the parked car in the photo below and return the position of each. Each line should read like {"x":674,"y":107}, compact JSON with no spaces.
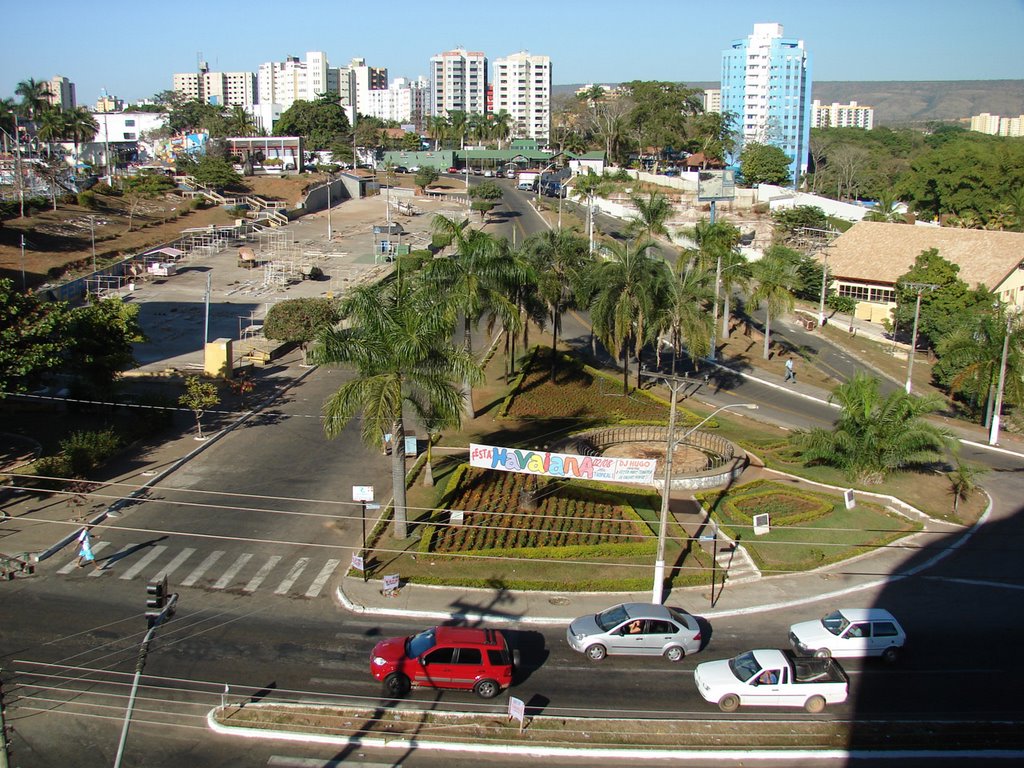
{"x":639,"y":629}
{"x":510,"y":173}
{"x":400,"y":169}
{"x":453,"y":169}
{"x":413,"y":169}
{"x":772,"y":678}
{"x":461,"y":658}
{"x":488,"y":172}
{"x":850,"y":633}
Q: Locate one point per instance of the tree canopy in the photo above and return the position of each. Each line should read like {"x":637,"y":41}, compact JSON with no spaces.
{"x":764,"y":164}
{"x":300,"y":320}
{"x":321,"y":123}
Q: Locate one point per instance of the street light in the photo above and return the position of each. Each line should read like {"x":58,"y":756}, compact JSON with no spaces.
{"x":675,"y":384}
{"x":330,"y":233}
{"x":993,"y":435}
{"x":920,"y":288}
{"x":92,"y":235}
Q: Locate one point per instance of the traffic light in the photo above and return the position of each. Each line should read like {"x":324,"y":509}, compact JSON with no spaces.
{"x":156,"y":600}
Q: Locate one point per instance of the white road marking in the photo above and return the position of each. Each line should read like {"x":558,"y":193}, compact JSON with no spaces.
{"x":110,"y":561}
{"x":148,"y":558}
{"x":230,"y":573}
{"x":287,"y":761}
{"x":261,"y":574}
{"x":174,"y":565}
{"x":296,"y":571}
{"x":322,"y":577}
{"x":202,"y":568}
{"x":99,"y":546}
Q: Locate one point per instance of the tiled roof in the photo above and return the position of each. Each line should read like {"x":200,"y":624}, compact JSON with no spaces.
{"x":875,"y":252}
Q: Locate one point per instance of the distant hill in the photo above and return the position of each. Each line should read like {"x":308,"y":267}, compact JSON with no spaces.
{"x":898,"y":102}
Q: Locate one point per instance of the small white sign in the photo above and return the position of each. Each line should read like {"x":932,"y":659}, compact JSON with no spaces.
{"x":848,"y":498}
{"x":373,"y":506}
{"x":357,"y":562}
{"x":362,"y":493}
{"x":762,"y":525}
{"x":410,"y":446}
{"x":391,"y":582}
{"x":517,"y":710}
{"x":458,"y":517}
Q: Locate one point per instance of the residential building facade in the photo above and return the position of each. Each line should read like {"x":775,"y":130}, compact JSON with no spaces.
{"x":285,"y":82}
{"x":766,"y":82}
{"x":712,"y":99}
{"x":522,"y":88}
{"x":998,"y":126}
{"x":403,"y":101}
{"x":836,"y":115}
{"x":222,"y":89}
{"x":61,"y":93}
{"x":458,"y":82}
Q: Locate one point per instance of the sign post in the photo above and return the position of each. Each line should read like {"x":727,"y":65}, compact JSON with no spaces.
{"x":362,"y":494}
{"x":517,"y":711}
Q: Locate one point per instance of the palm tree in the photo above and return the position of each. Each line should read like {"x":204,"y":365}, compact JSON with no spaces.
{"x":458,"y":124}
{"x":777,"y":278}
{"x":886,"y":209}
{"x":717,"y":253}
{"x":874,"y":436}
{"x":974,"y":351}
{"x":8,"y":109}
{"x":589,"y":185}
{"x":474,"y":280}
{"x":523,"y":290}
{"x":52,"y":128}
{"x":560,"y":260}
{"x":630,"y":287}
{"x":34,"y":97}
{"x":685,"y":318}
{"x":81,"y":127}
{"x":240,"y":123}
{"x":651,"y":215}
{"x":963,"y":480}
{"x":438,"y":128}
{"x":399,"y":340}
{"x":501,"y":126}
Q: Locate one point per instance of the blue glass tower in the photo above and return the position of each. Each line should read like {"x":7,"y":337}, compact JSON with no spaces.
{"x":766,"y":85}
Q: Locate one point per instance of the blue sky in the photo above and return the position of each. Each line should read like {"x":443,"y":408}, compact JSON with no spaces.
{"x":132,"y":48}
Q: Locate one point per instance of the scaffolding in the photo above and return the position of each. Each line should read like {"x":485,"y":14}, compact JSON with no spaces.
{"x":105,"y":285}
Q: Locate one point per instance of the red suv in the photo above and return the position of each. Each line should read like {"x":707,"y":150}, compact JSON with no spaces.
{"x":462,"y":658}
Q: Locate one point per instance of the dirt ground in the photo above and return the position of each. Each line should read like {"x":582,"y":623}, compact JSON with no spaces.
{"x":61,"y":241}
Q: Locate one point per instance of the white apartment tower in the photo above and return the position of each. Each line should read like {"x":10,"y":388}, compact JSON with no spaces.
{"x":403,"y":101}
{"x":223,"y":89}
{"x":458,"y":82}
{"x":285,"y":82}
{"x":837,"y":115}
{"x":61,"y":93}
{"x":522,"y":87}
{"x":358,"y":81}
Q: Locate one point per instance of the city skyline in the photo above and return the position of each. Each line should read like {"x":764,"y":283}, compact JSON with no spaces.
{"x":588,"y":42}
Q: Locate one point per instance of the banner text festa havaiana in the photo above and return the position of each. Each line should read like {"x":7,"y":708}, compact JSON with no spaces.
{"x":563,"y":465}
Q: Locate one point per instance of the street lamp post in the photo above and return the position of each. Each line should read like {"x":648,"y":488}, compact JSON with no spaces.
{"x":330,"y":233}
{"x":993,"y":435}
{"x":675,"y":384}
{"x":92,"y":236}
{"x":920,"y":288}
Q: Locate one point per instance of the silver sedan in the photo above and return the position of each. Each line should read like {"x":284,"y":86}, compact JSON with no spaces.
{"x":638,"y":629}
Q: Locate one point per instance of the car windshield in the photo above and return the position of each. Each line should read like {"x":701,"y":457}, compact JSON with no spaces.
{"x":744,"y":666}
{"x":611,"y":618}
{"x":683,"y":618}
{"x":835,"y":623}
{"x":419,"y":644}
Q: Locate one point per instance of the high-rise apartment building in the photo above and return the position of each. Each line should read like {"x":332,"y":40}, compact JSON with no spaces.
{"x":998,"y":126}
{"x":836,"y":115}
{"x":61,"y":93}
{"x":403,"y":101}
{"x":766,"y":83}
{"x":522,"y":87}
{"x":458,"y":82}
{"x":285,"y":82}
{"x":357,"y":81}
{"x":222,"y":89}
{"x":712,"y":99}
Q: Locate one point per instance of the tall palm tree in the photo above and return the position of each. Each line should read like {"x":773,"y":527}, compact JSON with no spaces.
{"x":438,"y":128}
{"x":81,"y":127}
{"x":589,"y":185}
{"x":399,"y":340}
{"x":458,"y":126}
{"x":560,"y":260}
{"x":52,"y":128}
{"x":630,"y":286}
{"x":7,"y":111}
{"x":522,"y":288}
{"x":651,"y":215}
{"x":34,"y":97}
{"x":735,"y":276}
{"x":717,"y":253}
{"x":777,"y":278}
{"x":473,"y":280}
{"x":684,"y":317}
{"x":886,"y":209}
{"x":873,"y":435}
{"x":501,"y":126}
{"x":974,"y":351}
{"x":240,"y":123}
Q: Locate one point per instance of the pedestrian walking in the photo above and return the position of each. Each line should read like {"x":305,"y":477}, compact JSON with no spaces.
{"x":85,"y":554}
{"x":790,"y":373}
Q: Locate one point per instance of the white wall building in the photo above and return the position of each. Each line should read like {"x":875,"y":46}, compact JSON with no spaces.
{"x":522,"y":87}
{"x":223,"y":89}
{"x":61,"y":93}
{"x":458,"y":82}
{"x":285,"y":82}
{"x":995,"y":125}
{"x":403,"y":101}
{"x":836,"y":115}
{"x":712,"y":99}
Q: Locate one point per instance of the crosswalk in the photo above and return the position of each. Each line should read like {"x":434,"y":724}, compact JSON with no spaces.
{"x":186,"y":567}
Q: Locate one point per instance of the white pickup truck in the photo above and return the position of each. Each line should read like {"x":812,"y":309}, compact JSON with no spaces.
{"x":772,"y":678}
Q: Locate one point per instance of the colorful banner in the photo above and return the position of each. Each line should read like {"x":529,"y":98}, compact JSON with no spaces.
{"x":566,"y":465}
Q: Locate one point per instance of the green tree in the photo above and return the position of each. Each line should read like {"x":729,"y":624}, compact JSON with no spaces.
{"x":145,"y":186}
{"x":216,"y":172}
{"x":426,"y":176}
{"x":299,"y":321}
{"x":886,"y":209}
{"x":764,"y":164}
{"x":398,"y":338}
{"x":630,"y":286}
{"x":240,"y":123}
{"x":34,"y":97}
{"x":660,"y":111}
{"x":193,"y":117}
{"x":963,"y":481}
{"x":101,"y":336}
{"x":32,"y":337}
{"x":560,"y":262}
{"x":473,"y":280}
{"x":718,"y":241}
{"x":790,"y":223}
{"x":200,"y":396}
{"x":684,"y":317}
{"x":777,"y":278}
{"x":501,"y":126}
{"x":651,"y":215}
{"x":874,"y":436}
{"x":321,"y":123}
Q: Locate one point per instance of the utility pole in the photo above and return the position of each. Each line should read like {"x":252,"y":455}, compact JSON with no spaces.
{"x":993,"y":435}
{"x":92,"y":235}
{"x":5,"y":755}
{"x":820,"y":240}
{"x":330,"y":234}
{"x":920,"y":288}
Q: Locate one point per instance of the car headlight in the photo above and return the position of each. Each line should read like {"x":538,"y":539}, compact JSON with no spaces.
{"x":379,"y":661}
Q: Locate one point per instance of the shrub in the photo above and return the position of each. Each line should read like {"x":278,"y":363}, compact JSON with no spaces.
{"x":88,"y":450}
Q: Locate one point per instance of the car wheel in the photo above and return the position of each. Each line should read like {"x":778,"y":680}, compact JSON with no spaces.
{"x":675,"y":653}
{"x":596,"y":652}
{"x":486,"y":689}
{"x":890,"y":654}
{"x":396,"y":684}
{"x":815,"y":704}
{"x":822,"y":653}
{"x":729,"y":703}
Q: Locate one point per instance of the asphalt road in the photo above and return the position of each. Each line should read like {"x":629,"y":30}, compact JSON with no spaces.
{"x":276,"y":491}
